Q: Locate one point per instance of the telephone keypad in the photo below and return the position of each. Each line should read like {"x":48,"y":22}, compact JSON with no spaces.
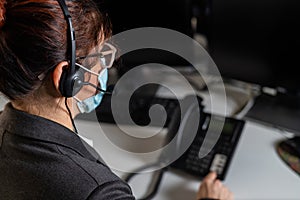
{"x":219,"y":157}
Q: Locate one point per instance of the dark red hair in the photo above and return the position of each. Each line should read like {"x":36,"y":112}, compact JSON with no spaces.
{"x":33,"y":40}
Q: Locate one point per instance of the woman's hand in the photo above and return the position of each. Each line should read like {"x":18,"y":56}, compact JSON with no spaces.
{"x":213,"y":188}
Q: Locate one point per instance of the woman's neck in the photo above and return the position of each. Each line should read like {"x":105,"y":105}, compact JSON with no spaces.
{"x":54,"y":110}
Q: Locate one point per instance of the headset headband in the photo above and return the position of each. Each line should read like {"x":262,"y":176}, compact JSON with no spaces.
{"x":71,"y":45}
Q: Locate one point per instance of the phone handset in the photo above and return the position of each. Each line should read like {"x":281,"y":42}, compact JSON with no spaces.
{"x":182,"y":128}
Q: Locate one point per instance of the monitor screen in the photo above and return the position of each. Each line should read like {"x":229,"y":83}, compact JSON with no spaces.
{"x":256,"y":41}
{"x":126,"y":15}
{"x":170,"y":14}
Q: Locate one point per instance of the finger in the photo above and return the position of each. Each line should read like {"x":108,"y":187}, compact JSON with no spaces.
{"x":210,"y":177}
{"x":217,"y":187}
{"x":218,"y":184}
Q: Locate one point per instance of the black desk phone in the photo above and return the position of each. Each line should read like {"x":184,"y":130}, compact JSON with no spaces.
{"x":223,"y":136}
{"x":219,"y":157}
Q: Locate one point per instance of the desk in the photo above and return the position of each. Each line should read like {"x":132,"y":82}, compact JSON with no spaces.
{"x":256,"y":172}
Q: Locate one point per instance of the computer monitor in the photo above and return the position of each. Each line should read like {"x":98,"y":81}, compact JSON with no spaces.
{"x":126,"y":15}
{"x":170,"y":14}
{"x":258,"y":41}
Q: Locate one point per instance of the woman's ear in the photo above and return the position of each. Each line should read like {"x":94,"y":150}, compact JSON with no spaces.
{"x":57,"y":73}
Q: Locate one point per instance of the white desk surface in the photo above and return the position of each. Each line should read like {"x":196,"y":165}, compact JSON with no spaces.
{"x":256,"y":171}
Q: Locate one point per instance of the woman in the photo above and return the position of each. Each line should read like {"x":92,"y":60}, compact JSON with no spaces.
{"x":49,"y":77}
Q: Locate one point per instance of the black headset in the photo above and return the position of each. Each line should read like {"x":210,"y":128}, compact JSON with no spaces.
{"x":71,"y":80}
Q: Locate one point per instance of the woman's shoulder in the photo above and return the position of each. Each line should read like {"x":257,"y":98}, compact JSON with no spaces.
{"x":106,"y":184}
{"x":86,"y":167}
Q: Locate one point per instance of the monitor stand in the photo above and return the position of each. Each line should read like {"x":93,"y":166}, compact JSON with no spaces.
{"x":281,"y":111}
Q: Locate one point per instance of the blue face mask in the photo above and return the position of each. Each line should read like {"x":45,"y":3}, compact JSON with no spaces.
{"x":89,"y":104}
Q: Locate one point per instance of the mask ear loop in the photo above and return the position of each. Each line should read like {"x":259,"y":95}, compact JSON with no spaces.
{"x":82,"y":105}
{"x":96,"y":74}
{"x":86,"y":69}
{"x":78,"y":100}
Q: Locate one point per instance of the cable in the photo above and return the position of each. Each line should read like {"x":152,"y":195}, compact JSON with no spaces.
{"x":161,"y":164}
{"x":251,"y":96}
{"x":241,"y":113}
{"x":70,"y":115}
{"x":157,"y":182}
{"x":156,"y":186}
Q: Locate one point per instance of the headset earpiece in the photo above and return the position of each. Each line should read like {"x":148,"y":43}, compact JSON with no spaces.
{"x":78,"y":79}
{"x":70,"y":85}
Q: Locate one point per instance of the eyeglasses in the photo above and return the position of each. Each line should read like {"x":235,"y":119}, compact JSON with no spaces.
{"x":106,"y":55}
